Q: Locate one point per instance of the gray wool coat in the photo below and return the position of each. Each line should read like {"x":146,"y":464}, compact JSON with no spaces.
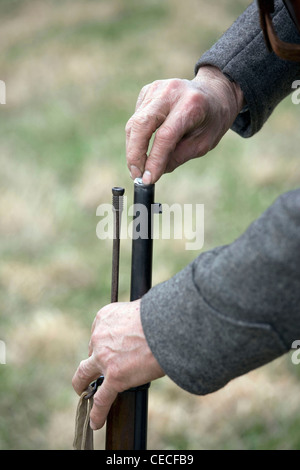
{"x":236,"y":307}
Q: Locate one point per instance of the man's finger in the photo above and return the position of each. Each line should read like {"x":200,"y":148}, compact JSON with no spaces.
{"x":186,"y":116}
{"x":139,"y":131}
{"x":165,"y":141}
{"x":90,"y":348}
{"x":142,"y":96}
{"x":87,"y":371}
{"x":103,"y":399}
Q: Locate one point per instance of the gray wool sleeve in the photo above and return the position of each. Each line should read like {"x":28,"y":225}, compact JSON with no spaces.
{"x":264,"y":78}
{"x":232,"y":309}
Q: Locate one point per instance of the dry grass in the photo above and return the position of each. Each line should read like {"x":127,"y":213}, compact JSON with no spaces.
{"x":73,"y":71}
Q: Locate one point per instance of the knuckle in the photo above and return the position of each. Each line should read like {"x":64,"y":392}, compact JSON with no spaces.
{"x":154,"y":85}
{"x":196,"y":108}
{"x":144,"y":90}
{"x":128,"y":126}
{"x":82,"y":371}
{"x":166,"y":134}
{"x":74,"y":382}
{"x":116,"y":378}
{"x":197,"y":100}
{"x":103,"y":312}
{"x":141,"y":120}
{"x":174,"y":84}
{"x":100,"y":312}
{"x":95,"y":339}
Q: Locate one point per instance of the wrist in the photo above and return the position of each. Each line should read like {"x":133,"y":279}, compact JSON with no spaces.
{"x":224,"y":86}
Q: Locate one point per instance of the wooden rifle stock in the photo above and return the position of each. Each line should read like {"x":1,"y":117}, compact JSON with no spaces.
{"x":126,"y":426}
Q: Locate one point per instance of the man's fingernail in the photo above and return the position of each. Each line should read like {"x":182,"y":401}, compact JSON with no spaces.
{"x":135,"y":172}
{"x":147,"y":177}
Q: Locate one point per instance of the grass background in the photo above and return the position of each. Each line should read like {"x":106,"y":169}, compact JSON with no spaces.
{"x":73,"y":71}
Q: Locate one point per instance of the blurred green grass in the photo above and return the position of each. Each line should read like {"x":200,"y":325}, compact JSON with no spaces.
{"x":73,"y":71}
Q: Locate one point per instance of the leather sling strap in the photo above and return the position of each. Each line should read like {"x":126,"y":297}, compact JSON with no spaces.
{"x":282,"y":49}
{"x":83,"y":439}
{"x":293,"y":7}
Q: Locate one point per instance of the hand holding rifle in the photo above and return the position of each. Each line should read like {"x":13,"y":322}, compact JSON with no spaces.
{"x":119,"y":351}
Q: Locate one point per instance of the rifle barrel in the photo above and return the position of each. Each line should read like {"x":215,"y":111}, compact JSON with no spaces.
{"x":126,"y":427}
{"x":142,"y":242}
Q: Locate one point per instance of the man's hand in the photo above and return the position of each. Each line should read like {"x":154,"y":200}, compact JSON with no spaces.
{"x":189,"y":117}
{"x":119,"y":351}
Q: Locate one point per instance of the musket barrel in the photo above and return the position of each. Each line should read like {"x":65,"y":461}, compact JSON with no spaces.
{"x":142,"y":241}
{"x":126,"y":427}
{"x":141,"y":281}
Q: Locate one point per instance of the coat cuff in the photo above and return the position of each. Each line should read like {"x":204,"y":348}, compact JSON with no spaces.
{"x":264,"y":78}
